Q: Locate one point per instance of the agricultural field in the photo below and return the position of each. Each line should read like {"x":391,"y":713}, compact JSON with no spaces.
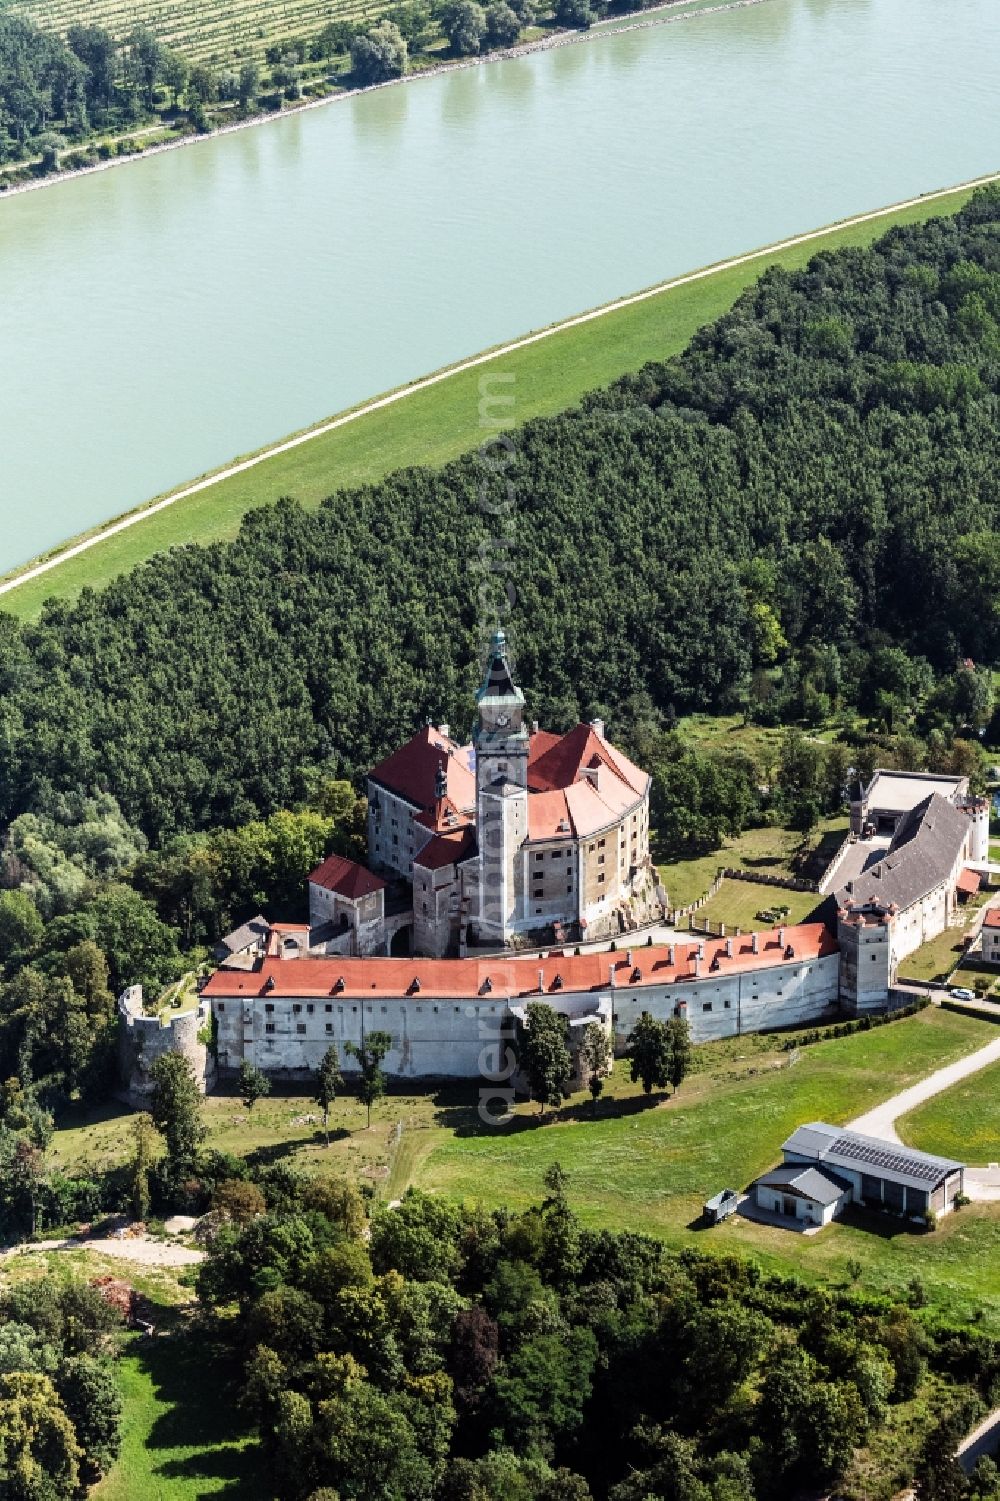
{"x":962,"y":1122}
{"x":217,"y":33}
{"x":439,"y":422}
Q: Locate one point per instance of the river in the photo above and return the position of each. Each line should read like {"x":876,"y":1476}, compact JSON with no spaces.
{"x":160,"y":318}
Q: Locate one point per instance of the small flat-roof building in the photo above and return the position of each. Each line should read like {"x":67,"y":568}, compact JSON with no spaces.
{"x":879,"y":1174}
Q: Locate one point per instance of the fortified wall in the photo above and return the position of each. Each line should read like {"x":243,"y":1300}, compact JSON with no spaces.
{"x":444,"y":1016}
{"x":142,"y":1039}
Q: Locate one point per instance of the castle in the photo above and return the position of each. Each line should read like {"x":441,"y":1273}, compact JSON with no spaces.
{"x":520,"y":837}
{"x":517,"y":869}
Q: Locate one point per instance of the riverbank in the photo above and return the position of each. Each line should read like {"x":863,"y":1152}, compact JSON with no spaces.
{"x":652,"y":16}
{"x":435,"y":419}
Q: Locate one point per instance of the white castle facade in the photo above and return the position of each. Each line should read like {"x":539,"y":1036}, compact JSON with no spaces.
{"x":524,"y":839}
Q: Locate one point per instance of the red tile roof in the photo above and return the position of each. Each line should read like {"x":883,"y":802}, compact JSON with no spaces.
{"x":563,"y":763}
{"x":346,"y":877}
{"x":968,"y":881}
{"x":447,"y":849}
{"x":992,"y":918}
{"x":511,"y":979}
{"x":411,"y":772}
{"x":443,"y":817}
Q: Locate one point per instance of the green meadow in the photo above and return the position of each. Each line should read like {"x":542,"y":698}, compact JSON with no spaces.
{"x":962,"y":1122}
{"x":442,"y":421}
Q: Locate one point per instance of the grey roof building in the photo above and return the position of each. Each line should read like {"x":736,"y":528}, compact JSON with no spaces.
{"x":879,"y":1173}
{"x":250,"y":938}
{"x":929,"y":842}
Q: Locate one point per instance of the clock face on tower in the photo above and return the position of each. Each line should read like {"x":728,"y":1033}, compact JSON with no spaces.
{"x":503,"y":720}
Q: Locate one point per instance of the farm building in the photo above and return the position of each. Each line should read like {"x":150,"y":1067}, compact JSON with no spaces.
{"x":878,"y":1174}
{"x":803,"y":1193}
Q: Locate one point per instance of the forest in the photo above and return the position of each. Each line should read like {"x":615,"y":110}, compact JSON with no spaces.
{"x":796,"y":514}
{"x":438,"y":1351}
{"x":793,"y":522}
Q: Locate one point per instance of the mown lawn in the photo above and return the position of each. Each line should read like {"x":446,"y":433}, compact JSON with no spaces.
{"x":935,"y":960}
{"x":437,"y":424}
{"x":770,"y":851}
{"x":182,"y":1437}
{"x":962,"y":1122}
{"x":737,"y":903}
{"x":649,"y":1166}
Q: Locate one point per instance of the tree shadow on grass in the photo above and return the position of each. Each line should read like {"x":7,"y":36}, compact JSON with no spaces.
{"x":199,"y":1382}
{"x":267,"y":1156}
{"x":463,"y":1119}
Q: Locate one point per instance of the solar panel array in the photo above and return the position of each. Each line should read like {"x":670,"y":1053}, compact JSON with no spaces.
{"x":884,"y":1157}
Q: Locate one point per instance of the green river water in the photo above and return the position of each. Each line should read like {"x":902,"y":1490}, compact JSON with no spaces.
{"x":162,"y":317}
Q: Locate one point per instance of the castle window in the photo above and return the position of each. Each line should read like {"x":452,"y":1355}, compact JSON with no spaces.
{"x":539,"y":892}
{"x":296,"y":1008}
{"x":328,"y":1009}
{"x":600,"y":879}
{"x":301,"y":1029}
{"x":540,"y":855}
{"x":385,"y":1010}
{"x":601,"y":843}
{"x":269,"y":1028}
{"x":600,"y":859}
{"x":538,"y":911}
{"x":268,"y":1006}
{"x":874,"y":957}
{"x":707,"y":1006}
{"x":309,"y":1010}
{"x":329,"y":1026}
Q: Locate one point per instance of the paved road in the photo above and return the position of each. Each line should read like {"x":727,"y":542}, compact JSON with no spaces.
{"x":982,"y":1440}
{"x":980,"y":1183}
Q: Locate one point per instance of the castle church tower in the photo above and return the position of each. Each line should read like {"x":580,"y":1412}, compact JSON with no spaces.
{"x":501,"y":745}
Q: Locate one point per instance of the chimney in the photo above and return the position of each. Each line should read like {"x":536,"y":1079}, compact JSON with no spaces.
{"x":445,"y":730}
{"x":597,"y":725}
{"x":781,"y":938}
{"x":697,"y":963}
{"x":755,"y":943}
{"x":671,"y":954}
{"x":611,"y":976}
{"x":628,"y":957}
{"x":541,"y":981}
{"x":534,"y":726}
{"x":701,"y":949}
{"x":729,"y":948}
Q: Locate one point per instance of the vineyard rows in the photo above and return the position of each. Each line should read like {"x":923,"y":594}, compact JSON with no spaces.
{"x":215,"y":32}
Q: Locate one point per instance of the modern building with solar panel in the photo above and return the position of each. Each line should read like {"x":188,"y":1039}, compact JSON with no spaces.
{"x":826,"y":1168}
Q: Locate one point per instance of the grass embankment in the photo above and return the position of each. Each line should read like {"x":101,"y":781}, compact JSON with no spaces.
{"x":962,"y":1122}
{"x":442,"y":421}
